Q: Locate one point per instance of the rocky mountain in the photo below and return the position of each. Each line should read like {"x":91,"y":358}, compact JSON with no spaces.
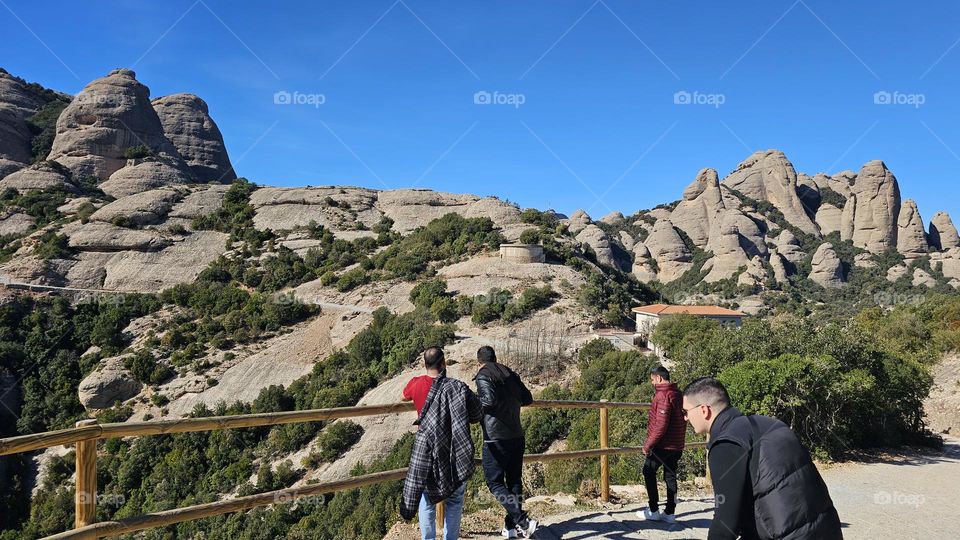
{"x":25,"y":109}
{"x":760,"y":227}
{"x":187,"y":124}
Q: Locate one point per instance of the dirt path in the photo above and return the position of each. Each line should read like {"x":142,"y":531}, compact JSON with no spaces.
{"x":906,"y":495}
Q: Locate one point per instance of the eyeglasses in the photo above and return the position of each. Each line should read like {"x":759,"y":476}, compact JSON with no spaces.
{"x":687,"y":411}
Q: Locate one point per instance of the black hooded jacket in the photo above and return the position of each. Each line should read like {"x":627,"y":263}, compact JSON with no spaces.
{"x":502,"y":393}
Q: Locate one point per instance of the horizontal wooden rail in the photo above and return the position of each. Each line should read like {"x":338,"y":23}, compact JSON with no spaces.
{"x":26,"y":443}
{"x":88,"y":433}
{"x":282,"y":496}
{"x":36,"y":441}
{"x":571,"y":404}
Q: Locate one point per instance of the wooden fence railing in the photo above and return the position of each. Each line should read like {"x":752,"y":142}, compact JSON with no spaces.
{"x":87,"y":432}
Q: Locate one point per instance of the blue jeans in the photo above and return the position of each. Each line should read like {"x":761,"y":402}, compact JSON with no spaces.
{"x":451,"y":517}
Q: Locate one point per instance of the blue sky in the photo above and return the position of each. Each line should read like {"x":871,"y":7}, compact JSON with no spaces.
{"x":587,"y":115}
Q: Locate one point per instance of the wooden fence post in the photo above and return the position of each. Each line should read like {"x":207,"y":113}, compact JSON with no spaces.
{"x":86,"y":492}
{"x":604,"y":460}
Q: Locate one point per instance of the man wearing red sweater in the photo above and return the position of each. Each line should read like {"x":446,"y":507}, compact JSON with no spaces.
{"x":666,"y":432}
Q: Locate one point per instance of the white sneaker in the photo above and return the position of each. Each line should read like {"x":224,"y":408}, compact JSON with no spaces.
{"x":531,"y":527}
{"x":649,"y":516}
{"x":669,"y":518}
{"x":508,"y":533}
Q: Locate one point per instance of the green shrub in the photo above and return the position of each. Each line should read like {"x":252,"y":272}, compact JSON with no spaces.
{"x":352,"y":279}
{"x":593,"y":350}
{"x":85,"y":211}
{"x":53,"y":246}
{"x":608,"y":299}
{"x":425,"y":293}
{"x":337,"y":439}
{"x":533,"y":216}
{"x":43,"y":127}
{"x":122,"y":221}
{"x":235,"y":216}
{"x":489,"y":307}
{"x":137,"y":152}
{"x":40,"y":204}
{"x":145,"y":368}
{"x":445,"y":309}
{"x":829,"y":196}
{"x":117,"y":413}
{"x":840,"y":385}
{"x":831,"y":407}
{"x":531,"y":300}
{"x":605,"y":374}
{"x":442,"y":239}
{"x":530,"y":236}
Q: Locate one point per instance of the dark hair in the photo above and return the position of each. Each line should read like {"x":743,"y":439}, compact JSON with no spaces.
{"x":661,"y":371}
{"x":433,"y":358}
{"x":485,"y":354}
{"x":708,"y":391}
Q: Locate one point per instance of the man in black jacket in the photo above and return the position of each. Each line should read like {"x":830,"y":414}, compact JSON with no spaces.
{"x":765,"y":484}
{"x":502,"y":393}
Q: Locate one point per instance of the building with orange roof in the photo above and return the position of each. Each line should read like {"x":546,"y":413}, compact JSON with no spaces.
{"x":649,"y":316}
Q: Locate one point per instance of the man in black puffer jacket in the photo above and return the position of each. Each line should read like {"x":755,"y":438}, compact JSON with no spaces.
{"x":502,"y":393}
{"x":764,"y":482}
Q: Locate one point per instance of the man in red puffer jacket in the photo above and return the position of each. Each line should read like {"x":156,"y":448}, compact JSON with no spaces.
{"x":666,"y":432}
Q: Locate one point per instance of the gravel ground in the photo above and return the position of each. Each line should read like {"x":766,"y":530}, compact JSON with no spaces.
{"x":905,"y":494}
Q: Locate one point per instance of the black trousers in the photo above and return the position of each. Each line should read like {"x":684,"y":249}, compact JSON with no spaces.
{"x":502,"y":469}
{"x":669,"y":459}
